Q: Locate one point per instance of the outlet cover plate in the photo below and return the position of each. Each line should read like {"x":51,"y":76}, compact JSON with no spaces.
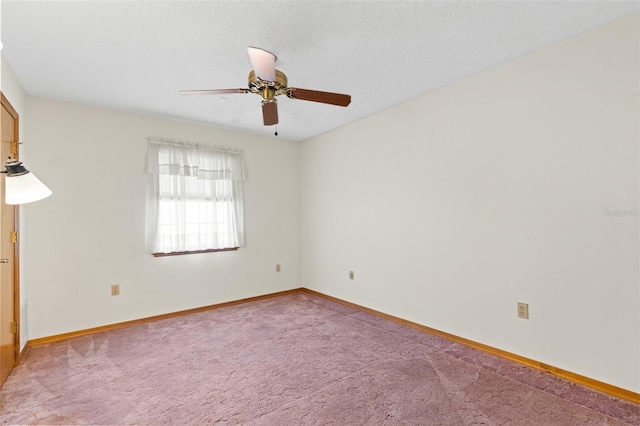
{"x":523,"y":310}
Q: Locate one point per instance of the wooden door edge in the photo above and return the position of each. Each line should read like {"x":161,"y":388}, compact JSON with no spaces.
{"x":16,"y":248}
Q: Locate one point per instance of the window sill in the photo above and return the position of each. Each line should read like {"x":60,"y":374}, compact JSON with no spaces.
{"x":180,"y":253}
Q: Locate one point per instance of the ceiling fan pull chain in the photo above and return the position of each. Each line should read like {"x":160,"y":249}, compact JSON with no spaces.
{"x":276,"y":130}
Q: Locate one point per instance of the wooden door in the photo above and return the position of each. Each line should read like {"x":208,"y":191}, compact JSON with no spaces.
{"x":9,"y":289}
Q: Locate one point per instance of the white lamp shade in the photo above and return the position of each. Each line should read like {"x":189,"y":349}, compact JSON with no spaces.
{"x":24,"y":188}
{"x":263,"y":63}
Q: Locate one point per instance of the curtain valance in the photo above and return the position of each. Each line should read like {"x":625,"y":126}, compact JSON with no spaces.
{"x":178,"y":158}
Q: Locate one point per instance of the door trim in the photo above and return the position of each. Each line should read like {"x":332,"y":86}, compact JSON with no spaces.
{"x":16,"y":247}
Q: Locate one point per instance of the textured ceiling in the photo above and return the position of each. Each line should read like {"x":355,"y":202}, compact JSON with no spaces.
{"x":136,"y":55}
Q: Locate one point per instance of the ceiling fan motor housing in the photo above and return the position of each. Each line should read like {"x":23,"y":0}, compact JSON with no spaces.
{"x":268,"y":89}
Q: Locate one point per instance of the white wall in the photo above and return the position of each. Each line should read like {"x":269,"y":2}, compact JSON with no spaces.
{"x":90,"y":233}
{"x":13,"y":91}
{"x":455,"y":206}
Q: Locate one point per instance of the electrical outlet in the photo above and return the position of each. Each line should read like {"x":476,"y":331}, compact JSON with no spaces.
{"x":523,"y":310}
{"x":278,"y":267}
{"x":115,"y":290}
{"x":352,"y":275}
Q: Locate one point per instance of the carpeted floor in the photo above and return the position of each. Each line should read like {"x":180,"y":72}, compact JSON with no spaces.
{"x":288,"y":360}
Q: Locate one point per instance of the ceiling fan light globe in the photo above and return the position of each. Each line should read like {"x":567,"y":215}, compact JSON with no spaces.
{"x":263,"y":63}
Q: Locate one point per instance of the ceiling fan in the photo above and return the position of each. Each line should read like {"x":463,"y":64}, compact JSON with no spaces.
{"x":265,"y":80}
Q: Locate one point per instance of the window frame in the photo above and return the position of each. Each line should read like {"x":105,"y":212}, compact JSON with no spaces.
{"x":232,"y":197}
{"x":181,"y":253}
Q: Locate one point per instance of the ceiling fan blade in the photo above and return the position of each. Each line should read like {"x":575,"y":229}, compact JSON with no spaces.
{"x":322,"y":97}
{"x":270,"y":113}
{"x":213,"y":92}
{"x":263,"y":63}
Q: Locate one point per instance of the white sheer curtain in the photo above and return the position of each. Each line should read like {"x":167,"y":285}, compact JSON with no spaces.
{"x":194,"y":197}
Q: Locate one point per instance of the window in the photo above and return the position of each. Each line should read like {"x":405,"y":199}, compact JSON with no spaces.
{"x":194,"y":198}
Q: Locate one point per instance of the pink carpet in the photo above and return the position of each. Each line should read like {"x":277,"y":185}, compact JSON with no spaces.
{"x":288,"y":360}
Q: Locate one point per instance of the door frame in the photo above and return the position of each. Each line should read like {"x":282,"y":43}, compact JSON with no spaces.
{"x":5,"y":233}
